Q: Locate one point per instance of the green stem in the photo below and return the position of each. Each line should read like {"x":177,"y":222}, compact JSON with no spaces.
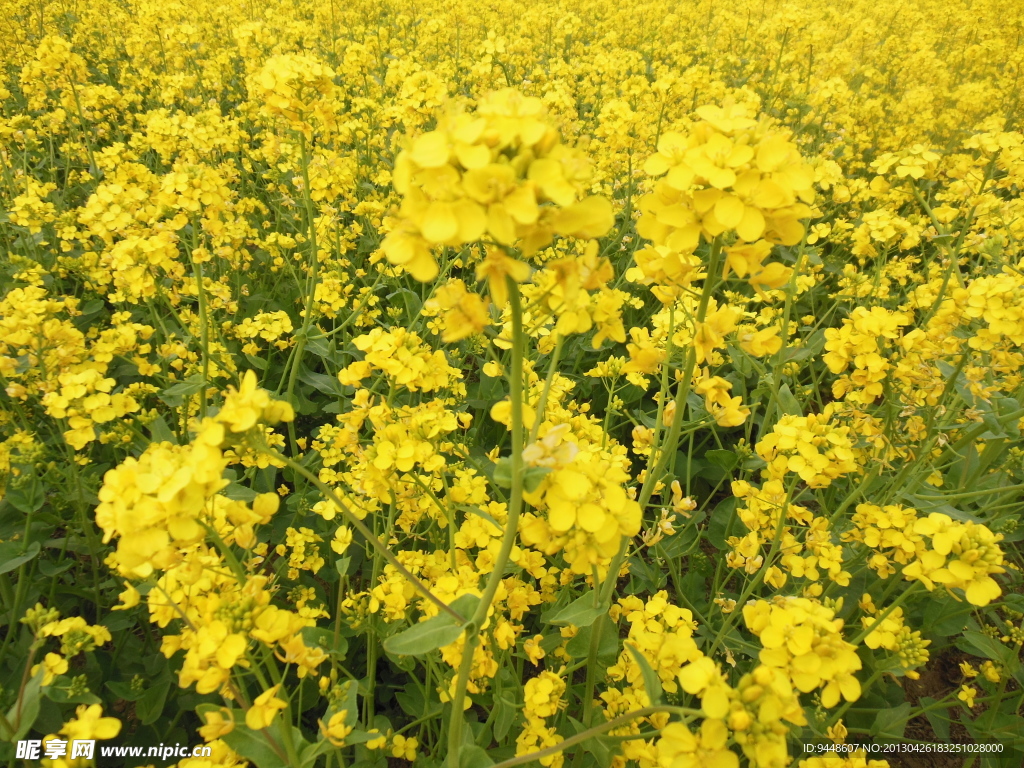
{"x":473,"y":627}
{"x":307,"y":312}
{"x":659,"y":456}
{"x":204,"y":332}
{"x":542,"y":404}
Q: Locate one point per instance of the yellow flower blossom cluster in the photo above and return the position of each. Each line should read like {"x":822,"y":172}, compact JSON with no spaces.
{"x":932,"y":549}
{"x":729,"y":174}
{"x":403,"y":357}
{"x":811,"y":447}
{"x":892,"y":634}
{"x":856,"y":344}
{"x":804,"y":639}
{"x":586,"y":511}
{"x":502,"y":173}
{"x":542,"y":699}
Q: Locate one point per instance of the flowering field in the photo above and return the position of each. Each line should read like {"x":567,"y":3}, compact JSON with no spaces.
{"x":517,"y":383}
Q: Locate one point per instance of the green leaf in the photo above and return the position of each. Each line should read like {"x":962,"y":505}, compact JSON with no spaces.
{"x":59,"y":695}
{"x":986,"y":647}
{"x":424,"y":637}
{"x":410,"y":300}
{"x":890,"y":723}
{"x":533,"y":476}
{"x":433,"y":633}
{"x":721,"y":521}
{"x":581,"y":612}
{"x":503,"y":472}
{"x":319,"y":637}
{"x":22,"y":718}
{"x":160,"y":432}
{"x":724,"y":459}
{"x":788,"y":404}
{"x":412,"y":702}
{"x":350,"y":695}
{"x":309,"y":756}
{"x":9,"y":561}
{"x":596,"y":746}
{"x":812,"y":345}
{"x":943,"y":618}
{"x":189,"y":386}
{"x":937,"y":718}
{"x":237,"y":492}
{"x":116,"y":622}
{"x":320,"y":346}
{"x":472,"y":756}
{"x":125,"y":691}
{"x":652,"y":683}
{"x":256,"y":362}
{"x":151,"y":705}
{"x":329,"y":385}
{"x":360,"y":737}
{"x":505,"y":712}
{"x":741,"y":361}
{"x":27,"y":495}
{"x":253,"y":746}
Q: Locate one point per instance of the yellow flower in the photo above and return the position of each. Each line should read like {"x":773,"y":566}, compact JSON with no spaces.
{"x":219,"y":722}
{"x":53,"y":664}
{"x":543,"y":695}
{"x":463,"y":313}
{"x":89,"y":723}
{"x":263,"y":711}
{"x":678,"y":747}
{"x":335,"y":730}
{"x":404,"y":747}
{"x":967,"y":694}
{"x":496,"y":268}
{"x":533,"y":649}
{"x":129,"y":598}
{"x":702,"y":677}
{"x":378,"y":741}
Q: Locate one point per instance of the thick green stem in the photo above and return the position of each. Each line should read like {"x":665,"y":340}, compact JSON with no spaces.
{"x":473,"y":627}
{"x":310,"y":291}
{"x":204,"y":333}
{"x":660,"y":455}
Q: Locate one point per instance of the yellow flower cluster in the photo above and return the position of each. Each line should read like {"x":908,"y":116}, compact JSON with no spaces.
{"x":932,"y":549}
{"x":587,"y":510}
{"x":542,"y":698}
{"x":500,"y":172}
{"x":857,"y":343}
{"x":662,"y":632}
{"x":804,"y":639}
{"x":404,"y":358}
{"x":730,"y":173}
{"x":163,"y":501}
{"x":268,"y":326}
{"x":812,"y":447}
{"x":892,"y":634}
{"x":755,"y":713}
{"x":299,"y":89}
{"x":856,"y":759}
